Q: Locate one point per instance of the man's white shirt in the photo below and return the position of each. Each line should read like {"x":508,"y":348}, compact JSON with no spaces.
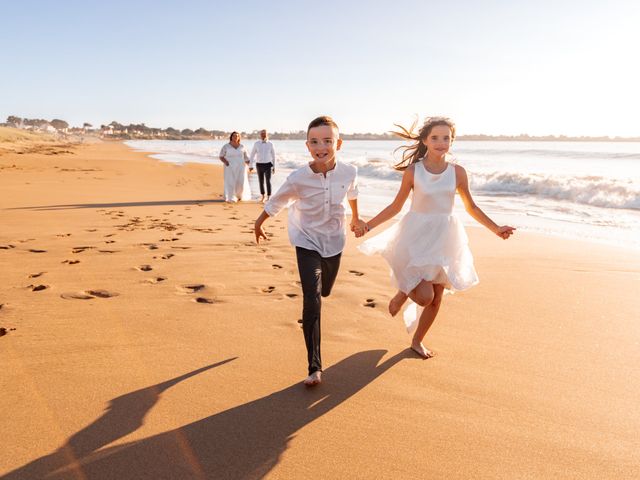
{"x":316,"y":207}
{"x":262,"y":152}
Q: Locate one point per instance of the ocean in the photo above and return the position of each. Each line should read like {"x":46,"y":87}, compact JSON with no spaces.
{"x":582,"y":190}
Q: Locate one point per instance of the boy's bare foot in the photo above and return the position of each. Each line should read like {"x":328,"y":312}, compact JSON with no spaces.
{"x":421,"y":350}
{"x":396,"y":303}
{"x":314,"y":379}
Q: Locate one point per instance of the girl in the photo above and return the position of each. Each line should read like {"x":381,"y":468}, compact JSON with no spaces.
{"x":428,"y":249}
{"x":235,"y":159}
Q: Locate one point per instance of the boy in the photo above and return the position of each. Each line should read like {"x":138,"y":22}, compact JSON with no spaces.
{"x":316,"y":225}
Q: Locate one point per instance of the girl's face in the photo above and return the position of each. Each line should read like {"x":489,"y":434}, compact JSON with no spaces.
{"x":439,"y":140}
{"x":235,"y":138}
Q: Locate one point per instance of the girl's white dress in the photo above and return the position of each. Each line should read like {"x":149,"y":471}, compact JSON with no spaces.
{"x":236,"y":180}
{"x":429,"y":242}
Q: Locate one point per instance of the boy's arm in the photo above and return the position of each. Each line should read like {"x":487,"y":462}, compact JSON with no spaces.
{"x":357,"y":225}
{"x":258,"y":230}
{"x":274,"y":206}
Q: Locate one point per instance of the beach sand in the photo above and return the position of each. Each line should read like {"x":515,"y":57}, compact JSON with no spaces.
{"x":147,"y":336}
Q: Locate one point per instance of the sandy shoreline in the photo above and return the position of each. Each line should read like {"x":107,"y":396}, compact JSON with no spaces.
{"x":535,"y":375}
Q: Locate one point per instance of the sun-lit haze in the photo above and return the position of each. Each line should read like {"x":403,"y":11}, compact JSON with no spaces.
{"x":496,"y":67}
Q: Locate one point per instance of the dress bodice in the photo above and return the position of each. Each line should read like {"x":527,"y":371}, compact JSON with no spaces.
{"x":433,"y":193}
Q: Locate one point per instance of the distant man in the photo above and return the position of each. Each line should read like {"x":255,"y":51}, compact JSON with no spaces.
{"x":263,"y":157}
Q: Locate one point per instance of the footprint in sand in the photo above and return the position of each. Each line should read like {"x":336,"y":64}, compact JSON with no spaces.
{"x":155,"y":279}
{"x":356,"y":273}
{"x":36,"y":275}
{"x":102,"y":293}
{"x":203,"y":300}
{"x":276,"y":266}
{"x":76,"y":296}
{"x":71,"y":262}
{"x":268,"y":289}
{"x":190,"y":287}
{"x":80,"y":249}
{"x":38,"y":288}
{"x":108,"y":251}
{"x":35,"y":250}
{"x":291,"y":295}
{"x":370,"y":302}
{"x":6,"y":247}
{"x":180,"y":248}
{"x":89,"y":294}
{"x":109,"y":241}
{"x":144,"y":268}
{"x":63,"y":235}
{"x":91,"y":230}
{"x":167,"y":256}
{"x":110,"y":235}
{"x":4,"y":331}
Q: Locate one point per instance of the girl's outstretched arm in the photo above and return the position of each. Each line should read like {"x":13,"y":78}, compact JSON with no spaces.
{"x":394,"y":207}
{"x":462,"y":186}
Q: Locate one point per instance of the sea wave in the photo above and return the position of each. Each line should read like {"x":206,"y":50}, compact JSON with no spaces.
{"x":553,"y":153}
{"x":588,"y":190}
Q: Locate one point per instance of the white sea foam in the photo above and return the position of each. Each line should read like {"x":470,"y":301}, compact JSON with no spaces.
{"x":589,"y":190}
{"x":572,"y":189}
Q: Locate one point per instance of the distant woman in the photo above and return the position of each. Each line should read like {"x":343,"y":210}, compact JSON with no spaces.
{"x":235,"y":159}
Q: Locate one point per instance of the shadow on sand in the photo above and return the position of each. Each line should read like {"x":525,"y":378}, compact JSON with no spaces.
{"x":244,"y":442}
{"x":159,"y":203}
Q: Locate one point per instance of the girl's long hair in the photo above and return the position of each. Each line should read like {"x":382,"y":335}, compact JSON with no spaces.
{"x":416,"y":151}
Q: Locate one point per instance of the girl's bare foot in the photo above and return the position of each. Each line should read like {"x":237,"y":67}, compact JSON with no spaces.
{"x":421,"y":350}
{"x":396,"y":303}
{"x":314,"y":379}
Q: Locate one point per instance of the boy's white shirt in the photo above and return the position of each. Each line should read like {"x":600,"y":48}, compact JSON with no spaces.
{"x":317,"y":217}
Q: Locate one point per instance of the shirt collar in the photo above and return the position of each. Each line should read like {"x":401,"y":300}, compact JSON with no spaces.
{"x":311,"y":172}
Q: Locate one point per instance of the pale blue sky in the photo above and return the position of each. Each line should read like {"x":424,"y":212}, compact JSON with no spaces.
{"x":496,"y":67}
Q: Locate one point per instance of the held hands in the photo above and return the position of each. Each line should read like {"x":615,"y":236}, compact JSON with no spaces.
{"x":505,"y":231}
{"x":359,"y":227}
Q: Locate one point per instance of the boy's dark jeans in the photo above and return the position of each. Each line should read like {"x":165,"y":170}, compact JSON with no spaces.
{"x":317,"y":276}
{"x":264,"y":173}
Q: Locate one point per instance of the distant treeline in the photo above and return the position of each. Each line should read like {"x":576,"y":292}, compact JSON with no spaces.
{"x":140,"y":131}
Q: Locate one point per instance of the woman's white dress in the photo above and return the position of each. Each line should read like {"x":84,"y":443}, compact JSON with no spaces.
{"x":429,"y":242}
{"x":236,"y":180}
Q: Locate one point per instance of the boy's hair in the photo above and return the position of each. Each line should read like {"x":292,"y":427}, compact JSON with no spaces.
{"x":322,"y":120}
{"x":415,"y":152}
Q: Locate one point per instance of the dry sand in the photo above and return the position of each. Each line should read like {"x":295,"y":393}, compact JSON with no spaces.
{"x":147,"y":336}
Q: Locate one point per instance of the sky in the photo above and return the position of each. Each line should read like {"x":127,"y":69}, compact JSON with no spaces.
{"x":495,"y":67}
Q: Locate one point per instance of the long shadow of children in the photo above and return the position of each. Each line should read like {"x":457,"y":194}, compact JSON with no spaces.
{"x":243,"y":442}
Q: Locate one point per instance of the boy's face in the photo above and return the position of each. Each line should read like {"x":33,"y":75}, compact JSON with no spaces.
{"x":323,"y":142}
